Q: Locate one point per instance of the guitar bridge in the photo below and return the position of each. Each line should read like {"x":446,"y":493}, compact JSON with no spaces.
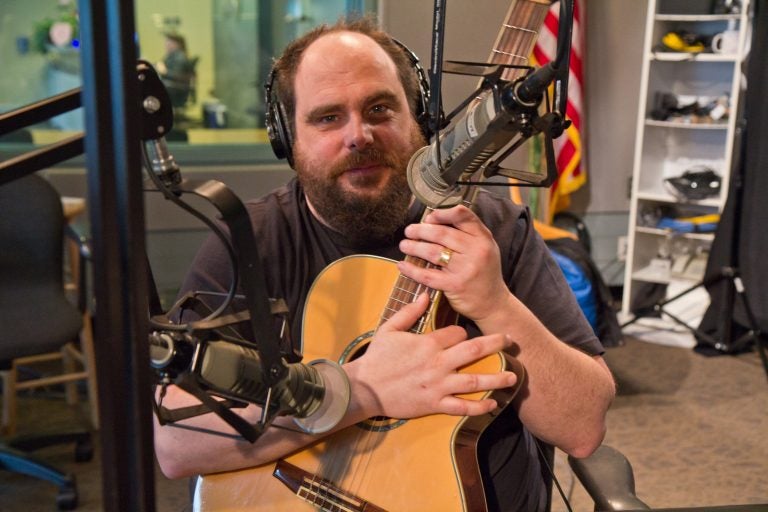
{"x":319,"y":492}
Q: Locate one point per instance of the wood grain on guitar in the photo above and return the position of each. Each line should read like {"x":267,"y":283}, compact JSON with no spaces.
{"x":423,"y":464}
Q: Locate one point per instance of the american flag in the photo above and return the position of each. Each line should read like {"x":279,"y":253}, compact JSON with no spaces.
{"x":569,"y":148}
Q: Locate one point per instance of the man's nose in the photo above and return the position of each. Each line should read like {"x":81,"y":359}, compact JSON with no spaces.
{"x":359,"y":133}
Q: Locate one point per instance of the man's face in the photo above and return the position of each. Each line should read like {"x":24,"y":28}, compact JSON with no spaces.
{"x":354,"y":136}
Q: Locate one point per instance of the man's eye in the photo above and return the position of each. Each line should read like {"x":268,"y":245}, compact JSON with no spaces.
{"x":327,"y":119}
{"x":380,"y":109}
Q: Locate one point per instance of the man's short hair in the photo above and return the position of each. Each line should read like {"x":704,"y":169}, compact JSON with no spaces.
{"x":285,"y":67}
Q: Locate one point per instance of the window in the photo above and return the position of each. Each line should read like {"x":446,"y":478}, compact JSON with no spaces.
{"x":214,"y":55}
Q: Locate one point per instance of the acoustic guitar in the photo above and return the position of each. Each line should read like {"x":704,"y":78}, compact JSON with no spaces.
{"x":428,"y":463}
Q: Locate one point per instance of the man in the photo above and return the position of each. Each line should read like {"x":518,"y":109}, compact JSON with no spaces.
{"x":176,"y":69}
{"x":349,"y":96}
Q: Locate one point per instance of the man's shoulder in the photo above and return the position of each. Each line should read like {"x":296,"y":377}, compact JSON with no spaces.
{"x":282,"y":199}
{"x":495,"y":208}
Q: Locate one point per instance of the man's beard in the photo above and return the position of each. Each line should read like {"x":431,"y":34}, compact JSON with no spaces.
{"x":366,"y":221}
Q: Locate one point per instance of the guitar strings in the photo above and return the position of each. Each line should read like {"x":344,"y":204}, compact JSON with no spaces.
{"x":516,"y":41}
{"x":343,"y":466}
{"x":518,"y":36}
{"x":405,"y":291}
{"x":402,"y":294}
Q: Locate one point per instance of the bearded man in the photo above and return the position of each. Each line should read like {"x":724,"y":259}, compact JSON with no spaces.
{"x":348,"y":94}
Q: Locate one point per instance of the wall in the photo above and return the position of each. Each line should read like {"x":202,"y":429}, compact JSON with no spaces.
{"x":173,"y":236}
{"x":613,"y":39}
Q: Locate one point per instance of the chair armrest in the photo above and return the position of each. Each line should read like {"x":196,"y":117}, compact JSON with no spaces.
{"x":608,"y":478}
{"x":83,"y":242}
{"x":84,"y":255}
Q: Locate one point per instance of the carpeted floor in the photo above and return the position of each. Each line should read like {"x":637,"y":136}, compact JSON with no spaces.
{"x":693,"y":427}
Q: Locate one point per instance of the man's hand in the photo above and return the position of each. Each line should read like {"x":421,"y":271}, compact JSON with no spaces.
{"x":471,"y":279}
{"x":406,"y":375}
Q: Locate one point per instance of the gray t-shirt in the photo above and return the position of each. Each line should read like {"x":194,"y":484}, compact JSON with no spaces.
{"x":294,"y":248}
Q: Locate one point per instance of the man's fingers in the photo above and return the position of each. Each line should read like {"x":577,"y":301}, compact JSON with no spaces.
{"x":456,"y":406}
{"x":463,"y":383}
{"x":407,"y":315}
{"x":469,"y":351}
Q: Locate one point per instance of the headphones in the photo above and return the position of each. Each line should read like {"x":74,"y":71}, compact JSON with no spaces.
{"x":278,"y":130}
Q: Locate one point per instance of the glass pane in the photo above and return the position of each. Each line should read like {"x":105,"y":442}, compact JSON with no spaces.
{"x":39,"y":49}
{"x":214,"y":56}
{"x":230,"y":45}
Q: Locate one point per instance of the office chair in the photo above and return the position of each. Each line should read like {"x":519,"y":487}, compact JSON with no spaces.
{"x":608,"y":478}
{"x":606,"y":475}
{"x":38,"y":323}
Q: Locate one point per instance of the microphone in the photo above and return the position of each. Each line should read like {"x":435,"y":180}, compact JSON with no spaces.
{"x":485,"y":128}
{"x":316,"y":395}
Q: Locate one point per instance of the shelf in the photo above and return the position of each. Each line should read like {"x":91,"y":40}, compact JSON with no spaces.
{"x":697,"y":17}
{"x":707,"y":237}
{"x":686,"y":126}
{"x":669,"y":254}
{"x":667,"y":198}
{"x":653,"y":275}
{"x":692,"y":57}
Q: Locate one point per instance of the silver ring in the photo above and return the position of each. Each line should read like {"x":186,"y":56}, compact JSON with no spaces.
{"x":445,"y":257}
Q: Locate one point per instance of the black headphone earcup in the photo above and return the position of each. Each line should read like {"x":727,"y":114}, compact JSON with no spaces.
{"x":277,"y":133}
{"x":422,"y":103}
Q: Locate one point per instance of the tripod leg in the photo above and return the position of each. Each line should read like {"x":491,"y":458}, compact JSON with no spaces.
{"x":659,"y":307}
{"x":755,"y":332}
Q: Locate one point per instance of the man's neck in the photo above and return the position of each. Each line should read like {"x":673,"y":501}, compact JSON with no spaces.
{"x":325,"y":223}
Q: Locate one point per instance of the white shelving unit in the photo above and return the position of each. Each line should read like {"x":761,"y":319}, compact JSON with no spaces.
{"x":661,"y":262}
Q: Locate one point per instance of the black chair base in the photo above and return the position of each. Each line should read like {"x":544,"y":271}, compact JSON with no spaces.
{"x":15,"y":457}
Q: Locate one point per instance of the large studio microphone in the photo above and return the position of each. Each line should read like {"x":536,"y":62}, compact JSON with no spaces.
{"x":316,"y":394}
{"x":490,"y":122}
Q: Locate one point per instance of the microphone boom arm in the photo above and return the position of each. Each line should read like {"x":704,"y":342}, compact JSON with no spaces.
{"x":197,"y":356}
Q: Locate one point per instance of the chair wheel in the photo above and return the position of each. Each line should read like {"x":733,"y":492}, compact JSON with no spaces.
{"x":67,"y":498}
{"x":83,"y":450}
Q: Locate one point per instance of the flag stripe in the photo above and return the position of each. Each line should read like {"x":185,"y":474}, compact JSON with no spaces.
{"x":568,"y":147}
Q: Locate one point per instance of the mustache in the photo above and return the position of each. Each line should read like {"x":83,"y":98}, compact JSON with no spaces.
{"x":371,"y":156}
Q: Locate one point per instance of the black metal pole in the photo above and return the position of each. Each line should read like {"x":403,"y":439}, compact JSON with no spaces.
{"x":115,"y":202}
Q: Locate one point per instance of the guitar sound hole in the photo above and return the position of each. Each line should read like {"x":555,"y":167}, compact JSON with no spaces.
{"x":359,"y":350}
{"x":355,"y":349}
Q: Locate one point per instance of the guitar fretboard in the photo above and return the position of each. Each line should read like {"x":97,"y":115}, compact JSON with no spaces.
{"x":518,"y":35}
{"x":405,"y":292}
{"x":513,"y":45}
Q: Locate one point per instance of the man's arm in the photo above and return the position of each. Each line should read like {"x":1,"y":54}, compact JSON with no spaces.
{"x":567,"y":392}
{"x":401,"y":375}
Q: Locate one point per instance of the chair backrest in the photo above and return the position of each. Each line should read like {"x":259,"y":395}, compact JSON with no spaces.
{"x":193,"y":79}
{"x":31,"y":232}
{"x":32,"y":295}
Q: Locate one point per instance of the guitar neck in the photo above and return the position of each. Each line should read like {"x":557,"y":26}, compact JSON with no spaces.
{"x":405,"y":291}
{"x":518,"y":35}
{"x":513,"y":45}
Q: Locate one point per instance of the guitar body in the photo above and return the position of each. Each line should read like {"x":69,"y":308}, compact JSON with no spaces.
{"x":383,"y":464}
